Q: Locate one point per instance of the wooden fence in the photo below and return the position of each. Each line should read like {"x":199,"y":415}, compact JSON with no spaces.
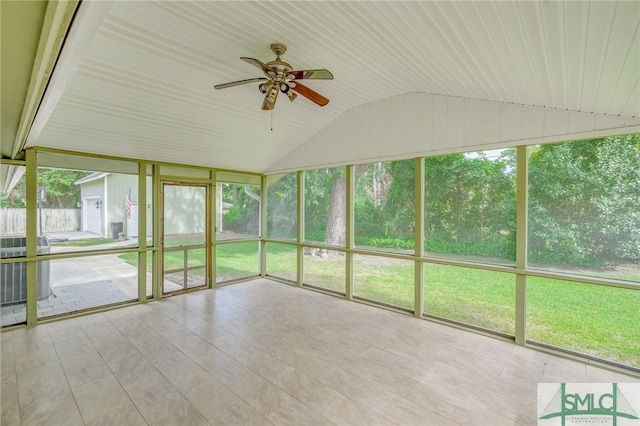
{"x":14,"y":221}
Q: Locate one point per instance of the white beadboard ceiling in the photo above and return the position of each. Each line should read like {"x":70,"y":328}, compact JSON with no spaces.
{"x":143,"y":87}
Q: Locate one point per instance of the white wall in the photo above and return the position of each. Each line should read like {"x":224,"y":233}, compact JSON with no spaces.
{"x":420,"y":124}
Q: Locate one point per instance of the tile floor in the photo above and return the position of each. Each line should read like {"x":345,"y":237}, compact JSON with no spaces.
{"x":262,"y":352}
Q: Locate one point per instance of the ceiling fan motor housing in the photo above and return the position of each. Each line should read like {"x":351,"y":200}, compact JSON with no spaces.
{"x":280,"y":76}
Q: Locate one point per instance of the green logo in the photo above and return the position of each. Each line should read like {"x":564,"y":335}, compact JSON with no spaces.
{"x":587,"y":403}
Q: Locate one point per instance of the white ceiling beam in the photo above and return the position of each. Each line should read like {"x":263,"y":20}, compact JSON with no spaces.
{"x":86,"y":22}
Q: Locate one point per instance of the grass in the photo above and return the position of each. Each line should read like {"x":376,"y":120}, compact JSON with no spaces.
{"x":233,"y":261}
{"x":595,"y":320}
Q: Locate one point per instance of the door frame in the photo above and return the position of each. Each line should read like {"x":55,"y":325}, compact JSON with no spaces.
{"x":207,"y":242}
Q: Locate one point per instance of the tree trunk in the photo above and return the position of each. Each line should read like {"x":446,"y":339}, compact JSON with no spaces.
{"x":336,"y":230}
{"x":336,"y":221}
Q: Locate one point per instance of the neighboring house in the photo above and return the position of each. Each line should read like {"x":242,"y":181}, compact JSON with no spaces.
{"x":103,"y":204}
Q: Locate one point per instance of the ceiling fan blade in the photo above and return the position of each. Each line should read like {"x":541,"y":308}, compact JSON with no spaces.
{"x":270,"y":97}
{"x":238,"y":83}
{"x":312,"y":95}
{"x":312,"y":74}
{"x":256,"y":63}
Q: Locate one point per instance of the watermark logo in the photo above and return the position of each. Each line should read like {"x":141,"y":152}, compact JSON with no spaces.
{"x":592,"y":404}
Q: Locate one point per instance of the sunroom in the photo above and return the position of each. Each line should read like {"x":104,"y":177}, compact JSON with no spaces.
{"x":476,"y":170}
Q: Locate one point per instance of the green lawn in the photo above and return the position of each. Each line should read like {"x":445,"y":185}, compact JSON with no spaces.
{"x":233,"y":261}
{"x":595,"y":320}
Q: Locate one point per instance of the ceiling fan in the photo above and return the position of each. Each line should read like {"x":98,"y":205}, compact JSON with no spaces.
{"x":281,"y":77}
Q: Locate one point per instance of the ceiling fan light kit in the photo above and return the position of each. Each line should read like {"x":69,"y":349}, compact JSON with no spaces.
{"x":279,"y":77}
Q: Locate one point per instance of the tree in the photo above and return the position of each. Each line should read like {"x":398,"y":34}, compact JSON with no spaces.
{"x":243,"y":215}
{"x":336,"y":227}
{"x":59,"y":184}
{"x":399,"y":204}
{"x":583,"y":202}
{"x":60,"y":187}
{"x":470,"y":205}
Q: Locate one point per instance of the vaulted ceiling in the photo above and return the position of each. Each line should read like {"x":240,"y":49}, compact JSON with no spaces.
{"x":135,"y":78}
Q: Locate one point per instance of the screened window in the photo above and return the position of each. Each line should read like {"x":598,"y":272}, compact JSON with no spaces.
{"x":384,"y":206}
{"x":238,"y":212}
{"x":480,"y":298}
{"x":77,"y":284}
{"x":236,"y":260}
{"x":13,"y":218}
{"x":282,"y":206}
{"x":282,"y":261}
{"x":470,"y":202}
{"x":584,"y":207}
{"x":324,"y":271}
{"x":386,"y":280}
{"x":325,"y":206}
{"x":591,"y":319}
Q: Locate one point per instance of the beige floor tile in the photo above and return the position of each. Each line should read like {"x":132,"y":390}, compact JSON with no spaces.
{"x":93,"y":321}
{"x":321,"y":399}
{"x":125,"y":415}
{"x":296,"y":413}
{"x":75,"y":346}
{"x":597,"y":374}
{"x":206,"y":330}
{"x":100,"y":398}
{"x":349,"y":412}
{"x":9,"y":390}
{"x":131,"y":369}
{"x":195,"y":346}
{"x":39,"y":404}
{"x":159,"y":402}
{"x":179,"y":369}
{"x":184,"y":414}
{"x":264,"y":364}
{"x":208,"y":395}
{"x":39,"y":389}
{"x":7,"y":356}
{"x":104,"y":330}
{"x":258,"y":392}
{"x":153,"y":346}
{"x":406,"y":413}
{"x":238,"y":413}
{"x":10,"y":415}
{"x":69,"y":416}
{"x":312,"y":365}
{"x":40,"y":370}
{"x":114,"y":348}
{"x":31,"y":356}
{"x":309,"y":391}
{"x":84,"y":368}
{"x":365,"y":392}
{"x":62,"y":330}
{"x":425,"y":393}
{"x":520,"y":406}
{"x":295,"y":380}
{"x":222,"y":366}
{"x":232,"y":345}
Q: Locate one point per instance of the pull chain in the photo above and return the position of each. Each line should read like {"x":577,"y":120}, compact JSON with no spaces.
{"x":272,"y":120}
